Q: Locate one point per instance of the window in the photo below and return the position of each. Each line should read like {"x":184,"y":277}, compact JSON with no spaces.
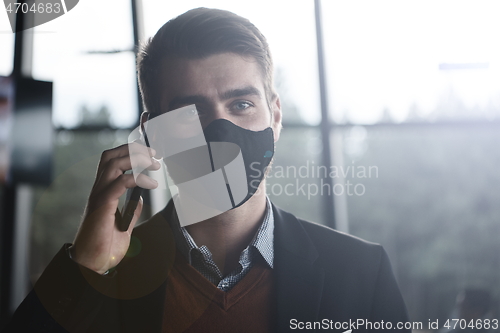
{"x":89,"y":55}
{"x":7,"y":50}
{"x":415,"y":91}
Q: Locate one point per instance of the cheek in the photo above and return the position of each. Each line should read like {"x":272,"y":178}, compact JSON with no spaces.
{"x":258,"y":121}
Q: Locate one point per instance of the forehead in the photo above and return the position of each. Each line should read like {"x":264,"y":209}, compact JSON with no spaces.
{"x":208,"y":76}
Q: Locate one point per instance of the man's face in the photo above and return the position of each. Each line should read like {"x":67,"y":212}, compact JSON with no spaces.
{"x":223,"y":86}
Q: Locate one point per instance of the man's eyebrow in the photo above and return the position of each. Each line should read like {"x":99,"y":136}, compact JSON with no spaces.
{"x":179,"y":101}
{"x":240,"y":92}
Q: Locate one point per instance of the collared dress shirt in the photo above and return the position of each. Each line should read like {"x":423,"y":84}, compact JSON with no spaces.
{"x":201,"y":258}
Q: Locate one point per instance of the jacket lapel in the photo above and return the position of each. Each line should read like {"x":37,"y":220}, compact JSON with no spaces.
{"x":299,"y":279}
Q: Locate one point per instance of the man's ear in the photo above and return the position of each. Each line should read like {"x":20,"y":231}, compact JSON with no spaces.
{"x":276,"y":119}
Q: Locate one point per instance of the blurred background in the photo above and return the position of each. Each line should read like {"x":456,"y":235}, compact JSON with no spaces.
{"x":391,"y":131}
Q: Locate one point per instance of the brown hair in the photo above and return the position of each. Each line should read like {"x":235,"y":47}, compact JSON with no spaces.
{"x":197,"y":34}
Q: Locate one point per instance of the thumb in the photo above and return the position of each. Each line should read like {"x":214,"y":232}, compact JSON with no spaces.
{"x":137,"y":214}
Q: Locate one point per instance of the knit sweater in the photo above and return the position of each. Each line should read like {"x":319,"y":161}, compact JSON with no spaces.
{"x":193,"y":304}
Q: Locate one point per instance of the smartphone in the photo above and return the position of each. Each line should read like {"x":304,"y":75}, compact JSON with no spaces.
{"x":132,"y":198}
{"x":131,"y":201}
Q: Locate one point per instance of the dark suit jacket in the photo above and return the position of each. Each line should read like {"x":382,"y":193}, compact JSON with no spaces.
{"x":321,"y":276}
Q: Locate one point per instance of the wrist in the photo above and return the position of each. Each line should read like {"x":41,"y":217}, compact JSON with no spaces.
{"x":72,"y":256}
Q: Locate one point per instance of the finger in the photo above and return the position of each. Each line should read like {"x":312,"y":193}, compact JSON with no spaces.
{"x":118,"y":187}
{"x":111,"y":153}
{"x":122,"y":151}
{"x":155,"y":165}
{"x":140,"y":148}
{"x":146,"y":182}
{"x":117,"y":166}
{"x":137,"y":151}
{"x":137,"y":214}
{"x":141,"y":161}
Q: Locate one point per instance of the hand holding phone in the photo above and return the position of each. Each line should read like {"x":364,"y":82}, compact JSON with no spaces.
{"x":133,"y":195}
{"x":102,"y":239}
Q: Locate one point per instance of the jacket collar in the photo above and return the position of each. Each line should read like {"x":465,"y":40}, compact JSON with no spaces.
{"x":291,"y":236}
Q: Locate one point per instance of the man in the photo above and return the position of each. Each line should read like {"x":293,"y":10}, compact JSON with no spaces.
{"x":254,"y":268}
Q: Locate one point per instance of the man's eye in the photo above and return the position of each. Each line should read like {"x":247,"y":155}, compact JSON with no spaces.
{"x":190,"y":114}
{"x":240,"y":106}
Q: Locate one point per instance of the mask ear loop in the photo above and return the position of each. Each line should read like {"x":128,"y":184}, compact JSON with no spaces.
{"x":143,"y":131}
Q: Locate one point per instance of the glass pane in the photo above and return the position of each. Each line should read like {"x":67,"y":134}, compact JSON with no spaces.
{"x":395,"y":61}
{"x":432,"y":201}
{"x":88,"y":53}
{"x":293,"y":45}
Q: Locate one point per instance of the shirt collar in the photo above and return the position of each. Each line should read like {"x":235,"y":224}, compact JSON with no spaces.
{"x":263,"y":240}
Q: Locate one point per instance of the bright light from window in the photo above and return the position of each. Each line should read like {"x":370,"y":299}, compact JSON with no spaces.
{"x":72,"y":51}
{"x":6,"y":45}
{"x":386,"y":55}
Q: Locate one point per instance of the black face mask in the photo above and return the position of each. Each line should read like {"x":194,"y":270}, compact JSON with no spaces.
{"x":257,"y":149}
{"x":232,"y":150}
